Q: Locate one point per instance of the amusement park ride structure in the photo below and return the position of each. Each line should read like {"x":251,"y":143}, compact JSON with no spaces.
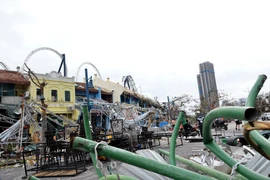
{"x":4,"y":65}
{"x":87,"y":63}
{"x":61,"y":56}
{"x":129,"y":82}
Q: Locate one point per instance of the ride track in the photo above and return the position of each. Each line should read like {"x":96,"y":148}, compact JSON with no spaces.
{"x":61,"y":56}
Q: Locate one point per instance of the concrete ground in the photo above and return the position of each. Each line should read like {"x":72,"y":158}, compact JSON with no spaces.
{"x":186,"y":150}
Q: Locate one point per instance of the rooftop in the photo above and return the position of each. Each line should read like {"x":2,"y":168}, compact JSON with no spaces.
{"x":13,"y":77}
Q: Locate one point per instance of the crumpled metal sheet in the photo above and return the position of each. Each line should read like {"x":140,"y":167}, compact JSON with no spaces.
{"x":259,"y":164}
{"x":140,"y":173}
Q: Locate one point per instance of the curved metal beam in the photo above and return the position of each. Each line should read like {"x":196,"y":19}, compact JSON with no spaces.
{"x":128,"y":80}
{"x":87,"y":63}
{"x":4,"y":65}
{"x":40,"y":49}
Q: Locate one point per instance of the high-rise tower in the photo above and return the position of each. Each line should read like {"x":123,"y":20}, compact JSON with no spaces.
{"x":207,"y":86}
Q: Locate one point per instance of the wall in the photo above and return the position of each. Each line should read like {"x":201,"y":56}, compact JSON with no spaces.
{"x":110,"y":86}
{"x":11,"y":100}
{"x":117,"y":90}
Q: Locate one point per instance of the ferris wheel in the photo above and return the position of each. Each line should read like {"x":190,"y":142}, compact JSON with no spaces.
{"x":87,"y":63}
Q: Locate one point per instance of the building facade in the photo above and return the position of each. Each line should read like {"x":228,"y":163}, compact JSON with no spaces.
{"x":59,"y":93}
{"x":207,"y":86}
{"x":13,"y":86}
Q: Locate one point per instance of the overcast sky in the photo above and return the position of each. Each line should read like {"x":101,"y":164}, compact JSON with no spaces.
{"x":159,"y":43}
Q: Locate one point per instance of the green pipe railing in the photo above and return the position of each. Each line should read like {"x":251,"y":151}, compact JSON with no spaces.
{"x":174,"y":137}
{"x":136,"y":160}
{"x":88,"y":135}
{"x":258,"y":142}
{"x":205,"y":169}
{"x":246,"y":113}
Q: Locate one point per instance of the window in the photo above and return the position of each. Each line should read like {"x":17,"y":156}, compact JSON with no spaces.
{"x":8,"y":89}
{"x":67,"y":96}
{"x":5,"y":93}
{"x":54,"y":95}
{"x":38,"y":94}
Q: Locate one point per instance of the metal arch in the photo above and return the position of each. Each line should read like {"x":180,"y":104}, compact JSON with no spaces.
{"x":4,"y":65}
{"x":77,"y":74}
{"x":128,"y":80}
{"x":40,"y":49}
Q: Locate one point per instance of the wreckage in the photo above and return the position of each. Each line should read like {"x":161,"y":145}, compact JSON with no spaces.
{"x":109,"y":129}
{"x":255,"y":139}
{"x":255,"y":168}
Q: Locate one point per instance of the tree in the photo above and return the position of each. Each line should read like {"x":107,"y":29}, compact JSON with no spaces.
{"x":179,"y":103}
{"x":262,"y":102}
{"x":44,"y":106}
{"x":206,"y":105}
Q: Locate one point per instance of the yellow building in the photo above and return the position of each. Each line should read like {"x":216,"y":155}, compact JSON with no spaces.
{"x":59,"y":94}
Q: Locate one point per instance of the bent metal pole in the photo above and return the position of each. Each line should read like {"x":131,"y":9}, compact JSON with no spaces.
{"x":205,"y":169}
{"x":247,"y":113}
{"x":256,"y":140}
{"x":88,"y":135}
{"x":136,"y":160}
{"x":174,"y":137}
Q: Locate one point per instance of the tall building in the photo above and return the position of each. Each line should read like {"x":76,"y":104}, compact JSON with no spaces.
{"x":207,"y":86}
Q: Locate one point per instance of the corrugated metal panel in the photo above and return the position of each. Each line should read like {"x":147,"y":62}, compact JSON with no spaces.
{"x":259,"y":164}
{"x":140,"y":173}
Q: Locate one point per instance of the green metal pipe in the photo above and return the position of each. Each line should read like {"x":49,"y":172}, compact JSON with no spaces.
{"x":88,"y":135}
{"x":246,"y":113}
{"x":115,"y":177}
{"x":251,"y":100}
{"x":136,"y":160}
{"x":33,"y":178}
{"x":30,"y":177}
{"x":226,"y":112}
{"x":205,"y":169}
{"x":87,"y":128}
{"x":262,"y":144}
{"x":174,"y":136}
